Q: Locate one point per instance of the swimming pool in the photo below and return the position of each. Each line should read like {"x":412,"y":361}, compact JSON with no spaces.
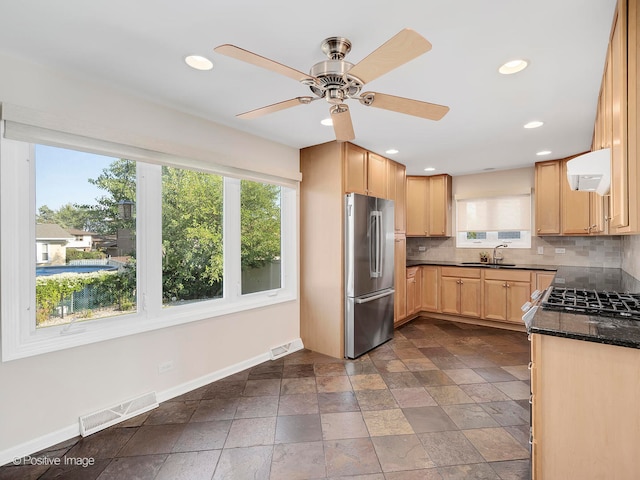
{"x":54,"y":270}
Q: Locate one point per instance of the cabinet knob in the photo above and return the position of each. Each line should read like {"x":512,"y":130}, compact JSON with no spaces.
{"x":538,"y":230}
{"x":504,"y":284}
{"x":461,"y":282}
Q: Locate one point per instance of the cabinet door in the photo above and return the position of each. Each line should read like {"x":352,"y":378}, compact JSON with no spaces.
{"x":417,"y":198}
{"x":547,"y":197}
{"x":449,"y":295}
{"x":518,"y":293}
{"x":411,"y":295}
{"x":355,"y":169}
{"x":396,"y":191}
{"x":439,"y":205}
{"x":543,"y":280}
{"x":401,"y":197}
{"x":576,"y":207}
{"x":495,"y":299}
{"x":430,"y":288}
{"x":619,"y":159}
{"x":400,"y":297}
{"x":470,"y":301}
{"x":376,"y":176}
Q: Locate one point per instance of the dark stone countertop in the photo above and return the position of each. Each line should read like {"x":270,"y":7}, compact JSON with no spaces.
{"x":591,"y":328}
{"x":417,"y":263}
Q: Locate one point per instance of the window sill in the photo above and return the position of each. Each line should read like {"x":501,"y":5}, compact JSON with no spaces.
{"x":53,"y":339}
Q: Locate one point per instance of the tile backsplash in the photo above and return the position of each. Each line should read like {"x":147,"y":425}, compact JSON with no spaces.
{"x":631,"y":255}
{"x":602,"y":251}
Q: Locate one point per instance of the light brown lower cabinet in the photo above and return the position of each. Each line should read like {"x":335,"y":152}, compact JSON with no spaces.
{"x":414,"y":285}
{"x":460,"y":291}
{"x":586,"y":419}
{"x":505,"y":291}
{"x":430,"y":288}
{"x":400,"y":297}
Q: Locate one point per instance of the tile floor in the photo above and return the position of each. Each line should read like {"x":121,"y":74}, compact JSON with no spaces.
{"x":440,"y":401}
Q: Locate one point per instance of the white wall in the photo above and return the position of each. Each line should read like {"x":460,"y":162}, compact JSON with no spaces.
{"x":45,"y":394}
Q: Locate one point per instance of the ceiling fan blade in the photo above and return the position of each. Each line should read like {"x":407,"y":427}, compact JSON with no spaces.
{"x":398,"y":50}
{"x":255,"y":59}
{"x":276,"y":107}
{"x":342,"y":125}
{"x":430,"y":111}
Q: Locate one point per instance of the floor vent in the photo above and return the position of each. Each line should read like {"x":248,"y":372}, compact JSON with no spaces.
{"x":280,"y":351}
{"x":94,"y":422}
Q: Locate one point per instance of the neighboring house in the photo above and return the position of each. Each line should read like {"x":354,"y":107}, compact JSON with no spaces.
{"x":51,"y":244}
{"x":82,"y":240}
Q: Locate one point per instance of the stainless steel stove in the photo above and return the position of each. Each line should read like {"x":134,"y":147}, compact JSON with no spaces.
{"x":592,"y":302}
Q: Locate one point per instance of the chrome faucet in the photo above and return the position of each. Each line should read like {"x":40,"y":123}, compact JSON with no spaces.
{"x":499,"y":259}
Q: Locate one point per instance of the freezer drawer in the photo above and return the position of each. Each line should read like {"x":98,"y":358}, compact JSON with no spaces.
{"x":368,"y":322}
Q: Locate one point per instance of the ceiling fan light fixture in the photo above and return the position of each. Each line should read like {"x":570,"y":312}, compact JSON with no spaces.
{"x":533,"y":124}
{"x":198,"y":62}
{"x":513,"y":66}
{"x":391,"y":151}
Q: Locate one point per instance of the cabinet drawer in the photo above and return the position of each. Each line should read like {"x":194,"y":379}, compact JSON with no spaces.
{"x":460,"y":272}
{"x":508,"y":275}
{"x":411,"y":271}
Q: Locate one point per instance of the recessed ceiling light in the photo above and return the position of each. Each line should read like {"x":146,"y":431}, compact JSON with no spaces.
{"x":534,"y":124}
{"x":429,"y":169}
{"x":198,"y":62}
{"x":391,"y":151}
{"x":327,"y":122}
{"x":543,"y":152}
{"x":513,"y":66}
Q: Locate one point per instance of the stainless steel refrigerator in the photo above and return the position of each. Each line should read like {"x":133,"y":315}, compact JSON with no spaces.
{"x":369,"y":271}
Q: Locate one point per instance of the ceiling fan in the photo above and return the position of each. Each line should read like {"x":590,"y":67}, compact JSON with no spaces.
{"x":337,"y":80}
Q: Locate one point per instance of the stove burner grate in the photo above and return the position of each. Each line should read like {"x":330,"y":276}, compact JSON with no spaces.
{"x":612,"y":304}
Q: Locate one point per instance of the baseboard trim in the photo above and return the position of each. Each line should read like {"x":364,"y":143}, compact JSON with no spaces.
{"x":53,"y":438}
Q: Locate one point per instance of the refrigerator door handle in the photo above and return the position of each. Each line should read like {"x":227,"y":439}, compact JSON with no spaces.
{"x":379,"y":243}
{"x":375,"y":297}
{"x":375,"y":244}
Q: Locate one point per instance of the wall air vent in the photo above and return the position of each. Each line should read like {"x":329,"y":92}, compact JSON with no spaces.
{"x":94,"y":422}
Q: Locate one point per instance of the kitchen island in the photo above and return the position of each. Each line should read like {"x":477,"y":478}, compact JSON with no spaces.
{"x":585,"y":383}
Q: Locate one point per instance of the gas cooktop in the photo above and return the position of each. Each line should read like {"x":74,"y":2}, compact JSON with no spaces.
{"x":609,"y":304}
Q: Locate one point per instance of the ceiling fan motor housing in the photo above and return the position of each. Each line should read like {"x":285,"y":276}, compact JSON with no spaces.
{"x":332,"y":79}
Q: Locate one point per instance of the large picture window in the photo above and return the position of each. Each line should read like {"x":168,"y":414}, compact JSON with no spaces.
{"x":80,"y":195}
{"x":119,"y":246}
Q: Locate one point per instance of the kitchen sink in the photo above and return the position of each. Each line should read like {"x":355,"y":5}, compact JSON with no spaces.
{"x":491,"y":265}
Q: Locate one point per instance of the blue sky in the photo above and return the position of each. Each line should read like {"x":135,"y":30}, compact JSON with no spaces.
{"x":62,"y":176}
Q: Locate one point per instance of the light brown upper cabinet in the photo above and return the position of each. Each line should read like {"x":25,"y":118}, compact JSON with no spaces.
{"x":365,"y":172}
{"x":617,"y":122}
{"x":562,"y":211}
{"x":583,"y":213}
{"x":547,"y":193}
{"x":429,"y":206}
{"x":396,"y":189}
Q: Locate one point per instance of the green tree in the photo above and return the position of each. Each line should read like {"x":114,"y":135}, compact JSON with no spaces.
{"x":260,"y":223}
{"x":74,"y":216}
{"x":46,"y":215}
{"x":191,"y":234}
{"x":119,"y":181}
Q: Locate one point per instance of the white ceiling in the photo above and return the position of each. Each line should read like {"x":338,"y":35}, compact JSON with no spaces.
{"x":139,"y":46}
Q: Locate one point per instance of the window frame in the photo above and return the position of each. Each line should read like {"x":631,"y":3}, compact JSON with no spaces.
{"x":492,"y":236}
{"x":20,"y":338}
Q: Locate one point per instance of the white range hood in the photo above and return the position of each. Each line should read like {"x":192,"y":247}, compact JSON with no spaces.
{"x":591,"y":172}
